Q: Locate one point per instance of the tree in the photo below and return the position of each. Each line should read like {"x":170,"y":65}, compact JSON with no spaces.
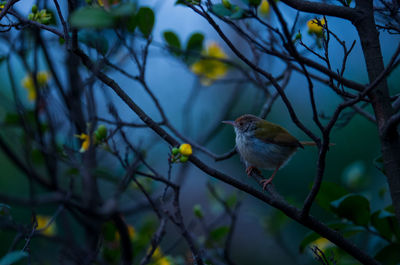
{"x":70,"y":140}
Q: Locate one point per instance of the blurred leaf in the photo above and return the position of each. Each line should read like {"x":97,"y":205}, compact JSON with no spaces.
{"x":131,"y":24}
{"x":92,"y":17}
{"x":123,"y":10}
{"x":219,"y":233}
{"x":221,"y":10}
{"x":109,"y":231}
{"x":231,"y":200}
{"x":145,"y":20}
{"x":329,"y":192}
{"x":37,"y":157}
{"x":378,"y":162}
{"x":4,"y":209}
{"x":274,"y":222}
{"x":238,"y":13}
{"x":173,"y":41}
{"x":195,"y":42}
{"x":345,"y":229}
{"x":2,"y":58}
{"x":13,"y":257}
{"x":94,"y":40}
{"x":386,"y":224}
{"x":11,"y":119}
{"x":184,"y":2}
{"x":389,"y":255}
{"x":311,"y":237}
{"x":352,"y":207}
{"x":197,"y":210}
{"x":353,"y":174}
{"x":111,"y":254}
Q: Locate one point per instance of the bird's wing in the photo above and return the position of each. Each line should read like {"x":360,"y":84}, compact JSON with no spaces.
{"x":273,"y":133}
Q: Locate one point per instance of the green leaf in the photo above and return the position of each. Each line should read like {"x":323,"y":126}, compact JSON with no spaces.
{"x":195,"y":43}
{"x":386,"y":224}
{"x":352,"y":207}
{"x":353,"y":175}
{"x":345,"y":229}
{"x":254,"y":2}
{"x":92,"y":17}
{"x":145,"y":20}
{"x":378,"y":162}
{"x":311,"y":237}
{"x":389,"y":255}
{"x":11,"y":119}
{"x":221,"y":10}
{"x":109,"y":231}
{"x":123,"y":10}
{"x":329,"y":192}
{"x":13,"y":257}
{"x":131,"y":23}
{"x":238,"y":13}
{"x":4,"y":209}
{"x":219,"y":233}
{"x":197,"y":210}
{"x":94,"y":40}
{"x":37,"y":157}
{"x":173,"y":41}
{"x":274,"y":222}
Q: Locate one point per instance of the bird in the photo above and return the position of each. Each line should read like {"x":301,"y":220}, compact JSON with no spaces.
{"x":263,"y":144}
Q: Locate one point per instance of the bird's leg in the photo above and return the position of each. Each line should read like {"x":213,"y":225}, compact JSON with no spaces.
{"x":251,"y":169}
{"x":265,"y":182}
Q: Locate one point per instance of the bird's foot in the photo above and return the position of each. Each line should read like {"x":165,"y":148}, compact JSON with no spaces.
{"x":265,"y":182}
{"x":252,"y":170}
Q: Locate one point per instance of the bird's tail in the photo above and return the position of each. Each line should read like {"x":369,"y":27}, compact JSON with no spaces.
{"x":311,"y":143}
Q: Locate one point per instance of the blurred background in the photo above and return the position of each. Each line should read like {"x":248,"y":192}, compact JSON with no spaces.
{"x":262,"y":235}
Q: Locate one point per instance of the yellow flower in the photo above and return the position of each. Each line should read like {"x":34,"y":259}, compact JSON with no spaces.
{"x":159,"y":258}
{"x":314,"y":27}
{"x":42,"y":78}
{"x":210,"y":70}
{"x":322,"y":243}
{"x":42,"y":223}
{"x":264,"y":8}
{"x":185,"y":149}
{"x":86,"y":142}
{"x":131,"y":232}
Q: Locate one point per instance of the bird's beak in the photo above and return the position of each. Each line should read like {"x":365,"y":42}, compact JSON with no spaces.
{"x":229,"y":122}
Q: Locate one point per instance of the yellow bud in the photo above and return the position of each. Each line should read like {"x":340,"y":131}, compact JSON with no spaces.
{"x":185,"y":149}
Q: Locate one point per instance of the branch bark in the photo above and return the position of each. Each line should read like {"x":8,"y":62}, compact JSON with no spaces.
{"x":380,"y":99}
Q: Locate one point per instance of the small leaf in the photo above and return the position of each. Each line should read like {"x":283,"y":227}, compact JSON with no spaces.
{"x":173,"y":41}
{"x":131,"y":23}
{"x":378,"y":162}
{"x":145,"y":20}
{"x":238,"y":14}
{"x":92,"y":17}
{"x":13,"y":257}
{"x":389,"y":255}
{"x":11,"y":119}
{"x":386,"y":224}
{"x":109,"y":231}
{"x":221,"y":10}
{"x":94,"y":40}
{"x":352,"y":207}
{"x":195,"y":43}
{"x":219,"y":233}
{"x":123,"y":10}
{"x":329,"y":192}
{"x":4,"y":209}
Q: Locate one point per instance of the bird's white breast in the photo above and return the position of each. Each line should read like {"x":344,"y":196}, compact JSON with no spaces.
{"x":260,"y":154}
